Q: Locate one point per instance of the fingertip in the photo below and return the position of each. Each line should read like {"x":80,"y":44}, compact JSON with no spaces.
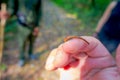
{"x":61,"y":59}
{"x":74,"y":45}
{"x":49,"y":65}
{"x":57,"y":59}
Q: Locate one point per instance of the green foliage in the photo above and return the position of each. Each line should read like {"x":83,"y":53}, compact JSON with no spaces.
{"x":74,"y":5}
{"x":3,"y":67}
{"x":84,"y":10}
{"x":10,"y":29}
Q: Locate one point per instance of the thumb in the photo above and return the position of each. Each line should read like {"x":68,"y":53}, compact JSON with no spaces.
{"x":118,"y":57}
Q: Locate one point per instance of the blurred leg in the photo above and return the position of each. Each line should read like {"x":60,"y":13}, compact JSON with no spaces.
{"x":31,"y":46}
{"x":22,"y":51}
{"x":22,"y":54}
{"x":22,"y":42}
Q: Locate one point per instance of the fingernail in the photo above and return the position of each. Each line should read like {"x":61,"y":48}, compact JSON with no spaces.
{"x":49,"y":64}
{"x":61,"y":59}
{"x":58,"y":58}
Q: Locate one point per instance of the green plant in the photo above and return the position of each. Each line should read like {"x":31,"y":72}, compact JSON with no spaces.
{"x":3,"y":67}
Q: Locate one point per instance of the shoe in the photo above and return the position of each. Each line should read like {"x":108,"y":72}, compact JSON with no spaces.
{"x":21,"y":63}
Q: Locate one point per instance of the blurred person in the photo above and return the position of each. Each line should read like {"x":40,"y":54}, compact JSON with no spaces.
{"x":28,"y":14}
{"x":108,"y":28}
{"x":84,"y":58}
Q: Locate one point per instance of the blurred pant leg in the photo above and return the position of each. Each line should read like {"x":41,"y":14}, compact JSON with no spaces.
{"x":31,"y":43}
{"x":22,"y":40}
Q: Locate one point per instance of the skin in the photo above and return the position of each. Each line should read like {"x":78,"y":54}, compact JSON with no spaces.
{"x":35,"y":31}
{"x":4,"y":15}
{"x":3,"y":12}
{"x":78,"y":60}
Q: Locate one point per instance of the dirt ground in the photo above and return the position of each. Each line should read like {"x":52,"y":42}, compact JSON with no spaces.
{"x":56,"y":25}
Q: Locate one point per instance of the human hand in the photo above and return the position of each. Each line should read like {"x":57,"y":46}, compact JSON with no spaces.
{"x":83,"y":59}
{"x":36,"y":31}
{"x":3,"y":13}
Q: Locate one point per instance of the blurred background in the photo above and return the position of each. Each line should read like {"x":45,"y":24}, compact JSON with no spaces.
{"x":60,"y":18}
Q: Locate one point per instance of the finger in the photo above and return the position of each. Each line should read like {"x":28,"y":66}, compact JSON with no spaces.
{"x":61,"y":58}
{"x":118,"y":57}
{"x":75,"y":46}
{"x":79,"y":48}
{"x":65,"y":52}
{"x":49,"y":62}
{"x":57,"y":58}
{"x":95,"y":49}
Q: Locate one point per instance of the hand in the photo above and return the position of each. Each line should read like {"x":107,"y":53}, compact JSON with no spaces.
{"x":36,"y":31}
{"x":83,"y":59}
{"x":4,"y":15}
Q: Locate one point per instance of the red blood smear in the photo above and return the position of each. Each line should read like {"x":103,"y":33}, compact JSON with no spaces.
{"x":66,"y":67}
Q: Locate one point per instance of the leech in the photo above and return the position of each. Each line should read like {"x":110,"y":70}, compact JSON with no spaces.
{"x":73,"y":37}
